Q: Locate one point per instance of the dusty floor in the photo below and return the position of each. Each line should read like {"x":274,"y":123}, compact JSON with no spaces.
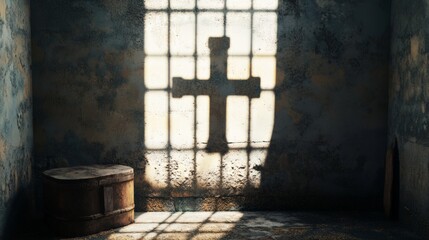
{"x":257,"y":225}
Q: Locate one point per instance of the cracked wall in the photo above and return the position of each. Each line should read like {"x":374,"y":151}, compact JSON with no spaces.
{"x":328,"y":141}
{"x":16,"y":133}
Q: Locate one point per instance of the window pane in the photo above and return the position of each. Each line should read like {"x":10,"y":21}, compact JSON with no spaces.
{"x":156,"y":72}
{"x":262,"y":119}
{"x":203,"y":119}
{"x":182,"y":37}
{"x":182,"y":109}
{"x":182,"y":122}
{"x":264,"y":38}
{"x":238,"y":68}
{"x":156,"y":4}
{"x":156,"y":119}
{"x":183,"y":67}
{"x":238,"y":29}
{"x":156,"y":32}
{"x":203,"y":104}
{"x":209,"y":25}
{"x":211,"y":4}
{"x":182,"y":4}
{"x":239,"y":4}
{"x":265,"y":4}
{"x":265,"y":68}
{"x":203,"y":68}
{"x":237,"y":121}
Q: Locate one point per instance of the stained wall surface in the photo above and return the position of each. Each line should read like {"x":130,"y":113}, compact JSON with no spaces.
{"x":16,"y":132}
{"x":408,"y":106}
{"x":315,"y":137}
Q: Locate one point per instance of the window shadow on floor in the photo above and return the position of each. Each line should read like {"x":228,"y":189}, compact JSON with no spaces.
{"x":257,"y":225}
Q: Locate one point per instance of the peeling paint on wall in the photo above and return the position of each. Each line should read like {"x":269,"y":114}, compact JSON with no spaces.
{"x":16,"y":135}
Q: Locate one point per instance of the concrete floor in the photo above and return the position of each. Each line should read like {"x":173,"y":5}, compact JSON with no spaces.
{"x":257,"y":225}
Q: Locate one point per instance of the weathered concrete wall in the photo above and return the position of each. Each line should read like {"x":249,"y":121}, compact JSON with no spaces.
{"x":327,"y":141}
{"x":408,"y":106}
{"x":16,"y":132}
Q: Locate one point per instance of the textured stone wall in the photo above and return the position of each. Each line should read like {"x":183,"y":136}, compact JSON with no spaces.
{"x":16,"y":132}
{"x":327,"y":141}
{"x":408,"y":106}
{"x":329,"y":135}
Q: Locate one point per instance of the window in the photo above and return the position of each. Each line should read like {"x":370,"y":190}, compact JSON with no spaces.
{"x":177,"y":34}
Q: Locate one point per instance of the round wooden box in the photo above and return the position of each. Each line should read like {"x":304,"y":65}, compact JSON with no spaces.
{"x":88,"y":199}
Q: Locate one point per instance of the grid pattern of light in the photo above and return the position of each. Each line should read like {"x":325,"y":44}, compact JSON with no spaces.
{"x":176,"y":129}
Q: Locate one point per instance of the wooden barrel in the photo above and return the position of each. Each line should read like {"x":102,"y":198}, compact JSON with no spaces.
{"x":88,"y":199}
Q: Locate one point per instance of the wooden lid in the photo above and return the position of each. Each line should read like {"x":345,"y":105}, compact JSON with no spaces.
{"x":88,"y":172}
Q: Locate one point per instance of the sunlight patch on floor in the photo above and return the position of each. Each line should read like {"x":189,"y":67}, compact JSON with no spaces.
{"x":179,"y":225}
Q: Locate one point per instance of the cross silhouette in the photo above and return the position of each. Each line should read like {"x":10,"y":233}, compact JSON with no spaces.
{"x":218,"y":88}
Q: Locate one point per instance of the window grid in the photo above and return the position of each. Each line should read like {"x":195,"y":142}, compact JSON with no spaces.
{"x":196,"y":11}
